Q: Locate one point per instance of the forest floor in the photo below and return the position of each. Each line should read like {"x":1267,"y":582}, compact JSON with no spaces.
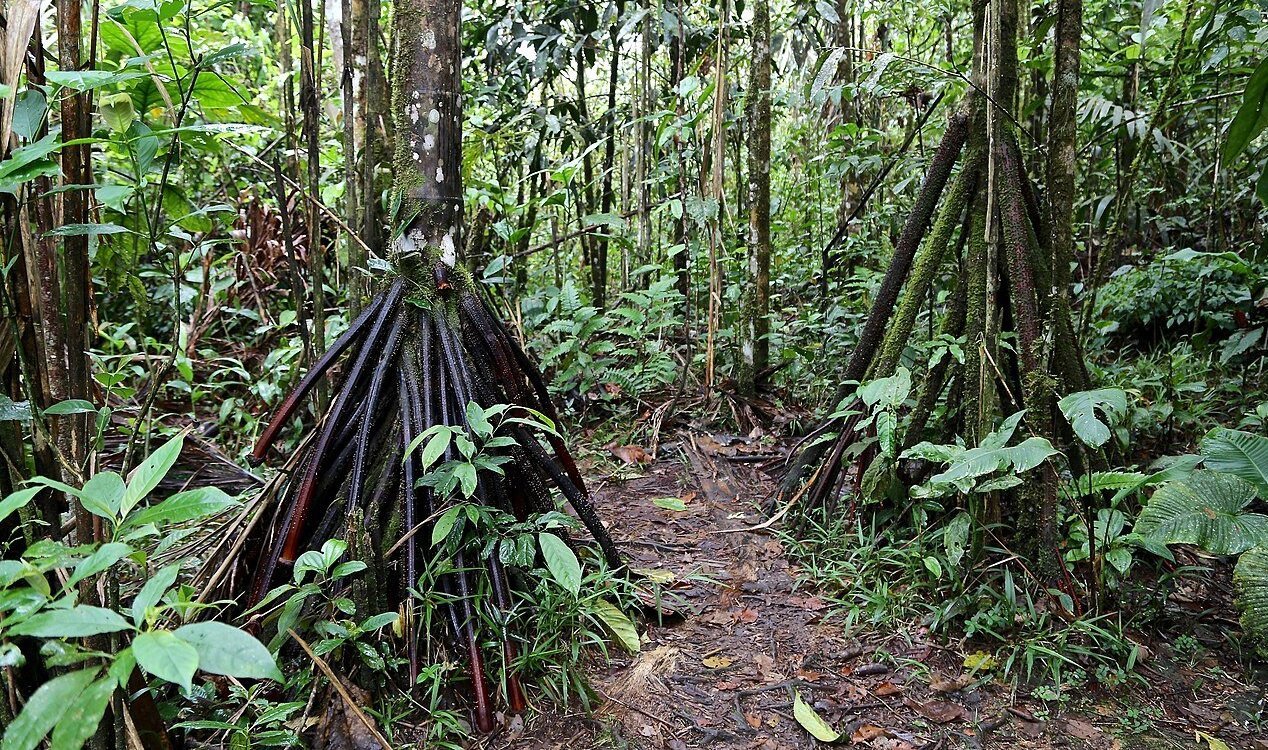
{"x":725,"y":677}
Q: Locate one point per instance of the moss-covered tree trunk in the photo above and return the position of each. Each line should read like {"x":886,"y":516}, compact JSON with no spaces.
{"x":1010,"y":281}
{"x":755,"y":308}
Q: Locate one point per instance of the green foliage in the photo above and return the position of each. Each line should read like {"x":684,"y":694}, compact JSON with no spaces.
{"x":621,"y":351}
{"x":1080,"y":409}
{"x":70,"y":706}
{"x":991,"y":466}
{"x":1209,"y":510}
{"x":1251,"y":579}
{"x":1238,"y":453}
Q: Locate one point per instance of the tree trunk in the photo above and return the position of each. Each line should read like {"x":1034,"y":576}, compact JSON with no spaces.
{"x":755,"y":311}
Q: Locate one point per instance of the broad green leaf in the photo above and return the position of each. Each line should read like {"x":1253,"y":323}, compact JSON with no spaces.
{"x":955,"y":537}
{"x":1208,"y":509}
{"x":466,"y":474}
{"x":74,"y":405}
{"x":1252,"y":115}
{"x":477,"y":421}
{"x":617,"y":624}
{"x":1239,"y":453}
{"x":183,"y":506}
{"x":1029,"y":453}
{"x":146,"y":477}
{"x":75,"y":622}
{"x":87,"y":230}
{"x":887,"y":392}
{"x":45,"y":708}
{"x":17,"y":500}
{"x":24,"y":156}
{"x":561,"y":561}
{"x":379,"y":621}
{"x":445,"y":524}
{"x":102,"y":494}
{"x":152,"y":592}
{"x":226,"y":650}
{"x":435,"y":448}
{"x":164,"y":655}
{"x":1250,"y":579}
{"x":106,"y":555}
{"x":85,"y":80}
{"x":812,"y":722}
{"x":81,"y":719}
{"x":1080,"y":409}
{"x":28,"y":113}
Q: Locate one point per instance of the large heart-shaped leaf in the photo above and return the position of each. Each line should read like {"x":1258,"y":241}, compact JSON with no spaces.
{"x":1207,"y":509}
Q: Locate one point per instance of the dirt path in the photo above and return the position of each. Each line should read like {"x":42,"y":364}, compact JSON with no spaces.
{"x":725,"y":677}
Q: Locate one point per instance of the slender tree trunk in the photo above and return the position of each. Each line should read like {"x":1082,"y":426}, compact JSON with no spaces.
{"x":599,"y":266}
{"x":755,"y":344}
{"x":76,"y":284}
{"x":353,"y":143}
{"x":310,"y":107}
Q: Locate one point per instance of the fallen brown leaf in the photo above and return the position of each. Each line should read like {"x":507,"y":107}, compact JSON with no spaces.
{"x":630,"y":454}
{"x":867,"y":733}
{"x":1083,"y":730}
{"x":940,"y":712}
{"x":887,"y":688}
{"x":940,"y":684}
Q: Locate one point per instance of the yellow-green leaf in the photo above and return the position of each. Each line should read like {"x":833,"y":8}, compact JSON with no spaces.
{"x":617,"y":624}
{"x":812,"y":722}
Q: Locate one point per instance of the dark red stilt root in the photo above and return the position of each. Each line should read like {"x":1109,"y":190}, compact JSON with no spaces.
{"x":309,"y":381}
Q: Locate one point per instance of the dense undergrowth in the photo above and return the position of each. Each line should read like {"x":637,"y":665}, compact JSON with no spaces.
{"x":219,"y":264}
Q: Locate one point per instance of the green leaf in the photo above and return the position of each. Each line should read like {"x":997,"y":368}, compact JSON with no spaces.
{"x":184,"y":506}
{"x":812,"y":722}
{"x":1239,"y":453}
{"x":147,"y":476}
{"x":1208,"y":510}
{"x":1250,"y":580}
{"x":152,"y":592}
{"x":561,"y":561}
{"x":887,"y":392}
{"x":24,"y":156}
{"x":45,"y":708}
{"x":1029,"y":453}
{"x":75,"y":622}
{"x":1080,"y":409}
{"x":466,"y":474}
{"x":477,"y":421}
{"x":102,"y":494}
{"x":81,"y":719}
{"x":70,"y":406}
{"x":444,"y":524}
{"x":28,"y":113}
{"x":670,"y":503}
{"x":164,"y":655}
{"x":87,"y":230}
{"x":955,"y":537}
{"x":379,"y":621}
{"x":17,"y":500}
{"x":1252,"y":115}
{"x":435,"y":448}
{"x":617,"y":624}
{"x":85,"y":80}
{"x":106,"y":555}
{"x":14,"y":411}
{"x":226,"y":650}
